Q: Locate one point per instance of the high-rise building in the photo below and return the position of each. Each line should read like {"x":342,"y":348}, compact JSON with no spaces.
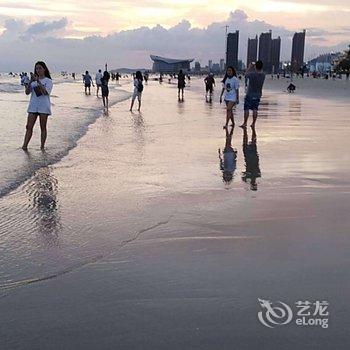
{"x":222,"y":65}
{"x":252,"y":52}
{"x":265,"y":43}
{"x":275,"y":55}
{"x":298,"y":48}
{"x":210,"y":65}
{"x":232,"y":49}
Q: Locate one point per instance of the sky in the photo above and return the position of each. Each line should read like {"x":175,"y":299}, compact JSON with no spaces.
{"x":69,"y":34}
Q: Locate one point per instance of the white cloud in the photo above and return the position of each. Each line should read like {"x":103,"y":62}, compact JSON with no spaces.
{"x":131,"y":48}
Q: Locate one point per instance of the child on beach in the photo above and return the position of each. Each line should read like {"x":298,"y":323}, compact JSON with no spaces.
{"x":138,"y":88}
{"x":40,"y":87}
{"x":255,"y":79}
{"x":230,"y":87}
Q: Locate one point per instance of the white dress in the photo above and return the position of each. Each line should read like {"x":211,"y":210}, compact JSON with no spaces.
{"x":40,"y":104}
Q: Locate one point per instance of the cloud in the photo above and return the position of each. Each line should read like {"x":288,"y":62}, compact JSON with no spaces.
{"x":131,"y":48}
{"x":45,"y":27}
{"x":15,"y":28}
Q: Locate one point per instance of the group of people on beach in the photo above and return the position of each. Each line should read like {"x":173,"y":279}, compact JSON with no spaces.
{"x":39,"y":86}
{"x":101,"y":83}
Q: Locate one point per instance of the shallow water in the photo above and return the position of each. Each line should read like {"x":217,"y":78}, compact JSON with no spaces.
{"x":72,"y":113}
{"x":138,"y":223}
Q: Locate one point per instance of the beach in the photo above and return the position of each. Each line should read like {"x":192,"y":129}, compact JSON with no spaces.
{"x":128,"y":237}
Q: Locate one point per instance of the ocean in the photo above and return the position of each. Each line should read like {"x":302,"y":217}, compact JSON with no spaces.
{"x":72,"y":113}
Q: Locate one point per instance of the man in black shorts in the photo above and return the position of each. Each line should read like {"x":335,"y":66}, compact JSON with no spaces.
{"x":209,"y":85}
{"x":255,"y":80}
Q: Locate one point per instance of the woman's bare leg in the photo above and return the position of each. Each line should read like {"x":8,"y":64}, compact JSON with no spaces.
{"x":132,"y":103}
{"x":229,"y":113}
{"x":30,"y":125}
{"x":43,"y":123}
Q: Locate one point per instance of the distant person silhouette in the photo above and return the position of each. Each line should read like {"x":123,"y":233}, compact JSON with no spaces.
{"x":87,"y":82}
{"x":104,"y":88}
{"x":138,"y":88}
{"x":209,"y":85}
{"x":98,"y":78}
{"x":181,"y":83}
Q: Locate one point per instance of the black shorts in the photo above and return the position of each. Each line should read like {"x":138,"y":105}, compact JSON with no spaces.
{"x":209,"y":88}
{"x":105,"y":91}
{"x":87,"y":85}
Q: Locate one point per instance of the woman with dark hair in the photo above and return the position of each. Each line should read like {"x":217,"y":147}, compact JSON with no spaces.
{"x":138,"y":88}
{"x":181,"y":83}
{"x":40,"y":87}
{"x":104,"y":88}
{"x":230,"y":86}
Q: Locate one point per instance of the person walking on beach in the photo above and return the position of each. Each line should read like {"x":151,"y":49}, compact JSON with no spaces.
{"x":255,"y":81}
{"x":39,"y":87}
{"x":181,"y":83}
{"x":231,"y":90}
{"x":87,"y":82}
{"x":104,"y":88}
{"x":138,"y":88}
{"x":209,"y":85}
{"x":98,"y":78}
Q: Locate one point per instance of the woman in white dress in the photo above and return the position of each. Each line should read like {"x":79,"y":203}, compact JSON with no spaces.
{"x":230,"y":87}
{"x":40,"y":87}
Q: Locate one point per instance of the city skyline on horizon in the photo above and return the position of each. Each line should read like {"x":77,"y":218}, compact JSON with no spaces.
{"x":53,"y":32}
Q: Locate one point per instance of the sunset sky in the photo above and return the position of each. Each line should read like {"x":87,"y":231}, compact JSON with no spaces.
{"x":327,"y":22}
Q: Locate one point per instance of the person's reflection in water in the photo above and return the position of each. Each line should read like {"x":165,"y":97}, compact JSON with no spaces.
{"x":251,"y":158}
{"x":42,"y":190}
{"x":228,"y":158}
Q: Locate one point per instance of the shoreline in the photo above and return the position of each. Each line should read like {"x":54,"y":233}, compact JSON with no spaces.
{"x":168,"y":254}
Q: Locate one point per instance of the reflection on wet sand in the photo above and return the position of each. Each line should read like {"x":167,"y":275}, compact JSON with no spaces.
{"x":251,"y":158}
{"x":42,"y":191}
{"x":228,"y":158}
{"x":139,"y":128}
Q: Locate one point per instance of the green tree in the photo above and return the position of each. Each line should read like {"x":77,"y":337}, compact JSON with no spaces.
{"x":344,"y":62}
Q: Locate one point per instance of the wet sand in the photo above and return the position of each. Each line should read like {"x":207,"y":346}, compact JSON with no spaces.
{"x":134,"y":241}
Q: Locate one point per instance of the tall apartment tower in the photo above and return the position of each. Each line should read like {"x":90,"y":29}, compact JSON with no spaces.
{"x":232,"y":49}
{"x":222,"y":65}
{"x":252,"y":52}
{"x":265,"y":43}
{"x":298,"y":49}
{"x":275,"y":55}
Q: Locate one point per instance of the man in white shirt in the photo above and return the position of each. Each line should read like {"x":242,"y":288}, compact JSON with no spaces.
{"x":98,"y":80}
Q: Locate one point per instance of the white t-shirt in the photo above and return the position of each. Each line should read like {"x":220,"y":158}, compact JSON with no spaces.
{"x":230,"y":86}
{"x":42,"y":103}
{"x":98,"y":78}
